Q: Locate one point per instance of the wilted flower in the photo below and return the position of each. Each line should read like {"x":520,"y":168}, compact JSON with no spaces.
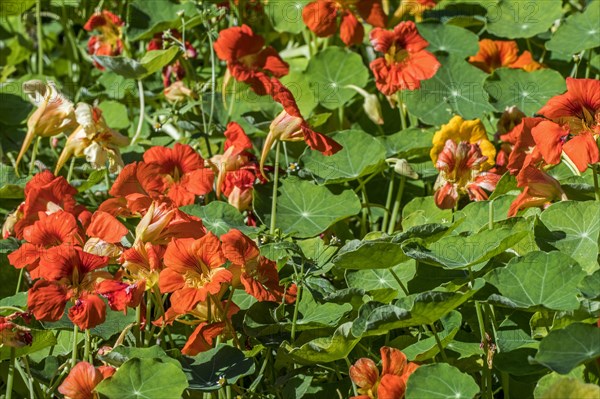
{"x":14,"y":335}
{"x":54,"y":113}
{"x":94,"y":140}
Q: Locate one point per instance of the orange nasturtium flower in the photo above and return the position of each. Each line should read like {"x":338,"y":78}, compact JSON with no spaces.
{"x":193,"y":271}
{"x":494,"y":54}
{"x":248,"y":60}
{"x":54,"y":114}
{"x":392,"y":381}
{"x":83,"y":379}
{"x":463,"y":154}
{"x":321,"y":17}
{"x":69,"y":274}
{"x":108,"y":42}
{"x":540,"y":189}
{"x":183,"y":172}
{"x":405,"y":62}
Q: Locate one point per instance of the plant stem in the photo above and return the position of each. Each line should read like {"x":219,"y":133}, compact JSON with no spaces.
{"x":275,"y":187}
{"x":36,"y":146}
{"x":439,"y":342}
{"x":486,"y":373}
{"x":401,"y":110}
{"x":147,"y":332}
{"x":40,"y":37}
{"x":388,"y":203}
{"x":71,"y":167}
{"x":397,"y":203}
{"x":138,"y":131}
{"x":74,"y":351}
{"x":86,"y":350}
{"x":138,"y":330}
{"x":19,"y":281}
{"x":400,"y":283}
{"x":296,"y":308}
{"x":11,"y":373}
{"x":596,"y":186}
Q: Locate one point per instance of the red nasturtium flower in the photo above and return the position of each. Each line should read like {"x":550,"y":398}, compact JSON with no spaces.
{"x":494,"y":54}
{"x":257,"y":274}
{"x":69,"y":274}
{"x":174,"y":72}
{"x":540,"y":189}
{"x":193,"y":271}
{"x":234,"y":156}
{"x":108,"y":42}
{"x":205,"y":333}
{"x":321,"y":17}
{"x":289,"y":125}
{"x":391,"y":384}
{"x":405,"y":62}
{"x":248,"y":60}
{"x":59,"y":228}
{"x":183,"y":172}
{"x":83,"y":379}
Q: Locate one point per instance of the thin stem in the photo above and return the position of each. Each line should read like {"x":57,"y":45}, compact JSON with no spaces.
{"x":213,"y":80}
{"x":19,"y":281}
{"x":400,"y":283}
{"x":71,"y":167}
{"x":36,"y":146}
{"x":30,"y":379}
{"x":388,"y":203}
{"x":138,"y":131}
{"x":138,"y":330}
{"x":486,"y":373}
{"x":596,"y":185}
{"x":298,"y":298}
{"x":11,"y":373}
{"x":401,"y":110}
{"x":505,"y":384}
{"x":275,"y":187}
{"x":74,"y":351}
{"x":86,"y":350}
{"x":439,"y":342}
{"x":40,"y":37}
{"x":147,"y":335}
{"x":397,"y":203}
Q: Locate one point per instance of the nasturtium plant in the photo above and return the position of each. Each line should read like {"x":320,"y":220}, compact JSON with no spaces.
{"x":300,"y":199}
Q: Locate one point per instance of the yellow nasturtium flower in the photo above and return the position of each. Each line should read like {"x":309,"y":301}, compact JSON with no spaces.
{"x":459,"y":130}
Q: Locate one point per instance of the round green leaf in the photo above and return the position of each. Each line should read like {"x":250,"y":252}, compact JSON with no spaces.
{"x":350,"y":163}
{"x":324,"y":349}
{"x":331,"y":70}
{"x":440,"y":381}
{"x":286,"y":16}
{"x":573,"y":228}
{"x":374,"y":254}
{"x":218,"y":217}
{"x":540,"y":279}
{"x":305,"y":209}
{"x":449,"y":39}
{"x":207,"y":370}
{"x":522,"y":18}
{"x":424,"y":308}
{"x":115,"y":114}
{"x":427,"y":348}
{"x":457,"y":88}
{"x":145,"y":378}
{"x":571,"y":388}
{"x":145,"y":18}
{"x":579,"y":32}
{"x":423,"y":210}
{"x":460,"y":252}
{"x":563,"y":350}
{"x":411,"y":142}
{"x":529,"y":91}
{"x":377,"y":279}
